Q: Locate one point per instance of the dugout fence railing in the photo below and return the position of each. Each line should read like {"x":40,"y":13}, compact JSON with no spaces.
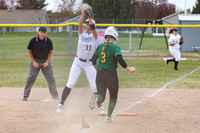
{"x":136,"y":33}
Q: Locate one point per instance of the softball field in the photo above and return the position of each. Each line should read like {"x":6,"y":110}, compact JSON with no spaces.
{"x":157,"y":111}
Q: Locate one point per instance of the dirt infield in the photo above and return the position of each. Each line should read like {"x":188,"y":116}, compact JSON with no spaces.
{"x":171,"y":111}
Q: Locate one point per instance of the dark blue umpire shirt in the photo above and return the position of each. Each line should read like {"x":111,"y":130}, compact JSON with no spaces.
{"x":40,"y":48}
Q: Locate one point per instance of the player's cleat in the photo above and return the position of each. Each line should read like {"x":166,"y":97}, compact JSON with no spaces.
{"x":92,"y":101}
{"x":24,"y":99}
{"x":108,"y":119}
{"x":101,"y":111}
{"x":56,"y":99}
{"x":59,"y":109}
{"x":176,"y":69}
{"x":166,"y":62}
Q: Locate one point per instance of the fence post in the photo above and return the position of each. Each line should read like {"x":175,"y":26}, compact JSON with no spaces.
{"x":4,"y":30}
{"x":70,"y":42}
{"x":137,"y":43}
{"x":130,"y":41}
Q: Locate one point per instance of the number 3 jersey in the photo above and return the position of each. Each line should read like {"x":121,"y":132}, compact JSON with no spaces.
{"x":107,"y":58}
{"x":86,"y":45}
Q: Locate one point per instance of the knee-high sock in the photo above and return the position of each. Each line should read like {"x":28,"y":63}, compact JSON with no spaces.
{"x":65,"y":94}
{"x":171,"y":60}
{"x":100,"y":100}
{"x":111,"y":107}
{"x":176,"y":65}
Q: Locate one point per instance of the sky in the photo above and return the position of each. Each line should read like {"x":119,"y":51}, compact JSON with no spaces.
{"x":180,"y":4}
{"x":52,"y":4}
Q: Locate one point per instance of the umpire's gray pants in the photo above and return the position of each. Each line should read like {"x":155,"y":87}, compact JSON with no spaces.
{"x":48,"y":74}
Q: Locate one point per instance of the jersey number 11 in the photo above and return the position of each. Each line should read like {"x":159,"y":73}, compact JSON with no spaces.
{"x":88,"y":47}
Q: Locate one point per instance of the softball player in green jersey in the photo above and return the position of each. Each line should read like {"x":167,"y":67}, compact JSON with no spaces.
{"x":108,"y":54}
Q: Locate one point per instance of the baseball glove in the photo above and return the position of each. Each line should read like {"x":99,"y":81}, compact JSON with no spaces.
{"x":181,"y":41}
{"x":87,"y":10}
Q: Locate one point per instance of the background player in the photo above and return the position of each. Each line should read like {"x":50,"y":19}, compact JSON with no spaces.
{"x":174,"y":47}
{"x":108,"y":54}
{"x":86,"y":46}
{"x":40,"y":50}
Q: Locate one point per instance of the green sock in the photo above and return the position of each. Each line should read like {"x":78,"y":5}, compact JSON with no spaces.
{"x":111,"y":107}
{"x":99,"y":98}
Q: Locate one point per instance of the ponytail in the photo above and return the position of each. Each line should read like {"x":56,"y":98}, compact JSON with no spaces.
{"x":170,"y":30}
{"x":108,"y":38}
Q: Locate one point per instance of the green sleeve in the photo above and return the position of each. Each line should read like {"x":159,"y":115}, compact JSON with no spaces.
{"x":117,"y":51}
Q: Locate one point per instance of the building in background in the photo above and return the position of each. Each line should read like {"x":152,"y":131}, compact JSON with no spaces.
{"x":23,"y":17}
{"x":168,"y":20}
{"x":172,"y":19}
{"x":190,"y":35}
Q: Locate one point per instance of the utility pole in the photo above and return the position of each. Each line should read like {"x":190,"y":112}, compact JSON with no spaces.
{"x":185,"y":6}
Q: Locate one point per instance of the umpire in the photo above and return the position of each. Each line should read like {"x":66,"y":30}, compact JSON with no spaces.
{"x":40,"y":50}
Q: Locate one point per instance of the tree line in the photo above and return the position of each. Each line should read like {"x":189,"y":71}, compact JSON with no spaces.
{"x":113,"y":9}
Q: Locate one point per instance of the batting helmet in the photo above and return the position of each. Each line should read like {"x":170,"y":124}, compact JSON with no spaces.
{"x":112,"y":31}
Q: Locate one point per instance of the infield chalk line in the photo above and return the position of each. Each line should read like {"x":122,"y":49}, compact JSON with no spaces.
{"x":140,"y":101}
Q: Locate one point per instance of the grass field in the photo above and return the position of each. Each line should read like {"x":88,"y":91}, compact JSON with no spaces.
{"x":150,"y":73}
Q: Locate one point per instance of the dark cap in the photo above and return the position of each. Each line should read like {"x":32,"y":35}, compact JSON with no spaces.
{"x":175,"y":29}
{"x":43,"y":29}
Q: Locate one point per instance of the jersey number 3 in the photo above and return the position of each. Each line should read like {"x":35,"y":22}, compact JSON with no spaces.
{"x":103,"y":55}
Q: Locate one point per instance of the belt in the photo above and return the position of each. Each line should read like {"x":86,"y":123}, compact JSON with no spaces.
{"x":40,"y":59}
{"x":83,"y":60}
{"x":103,"y":69}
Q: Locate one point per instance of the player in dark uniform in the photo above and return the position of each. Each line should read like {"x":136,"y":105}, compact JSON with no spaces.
{"x":40,"y":50}
{"x":108,"y":54}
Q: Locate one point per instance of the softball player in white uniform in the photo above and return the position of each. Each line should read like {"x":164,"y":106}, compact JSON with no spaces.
{"x":83,"y":61}
{"x":174,"y":47}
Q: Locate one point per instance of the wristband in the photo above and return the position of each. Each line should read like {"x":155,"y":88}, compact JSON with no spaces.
{"x":172,"y":44}
{"x":92,"y":27}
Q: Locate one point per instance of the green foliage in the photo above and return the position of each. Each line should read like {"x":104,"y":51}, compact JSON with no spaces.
{"x":113,"y":8}
{"x":38,"y":4}
{"x":196,"y":8}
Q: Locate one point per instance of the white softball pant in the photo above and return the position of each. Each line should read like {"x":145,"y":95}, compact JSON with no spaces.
{"x":76,"y":70}
{"x":175,"y":53}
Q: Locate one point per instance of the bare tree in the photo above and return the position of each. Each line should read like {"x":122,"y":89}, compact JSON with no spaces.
{"x":16,"y":5}
{"x":155,"y":9}
{"x":25,"y":5}
{"x":11,"y":4}
{"x":67,"y":8}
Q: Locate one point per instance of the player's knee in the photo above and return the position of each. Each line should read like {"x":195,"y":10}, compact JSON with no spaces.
{"x":32,"y":76}
{"x":113,"y":99}
{"x":93,"y":87}
{"x":70,"y":85}
{"x":177,"y":59}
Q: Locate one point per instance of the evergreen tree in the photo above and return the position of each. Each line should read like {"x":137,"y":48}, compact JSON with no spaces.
{"x":38,"y":4}
{"x":196,"y":8}
{"x":118,"y":9}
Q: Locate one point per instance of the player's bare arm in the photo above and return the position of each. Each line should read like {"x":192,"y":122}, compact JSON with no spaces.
{"x":80,"y":26}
